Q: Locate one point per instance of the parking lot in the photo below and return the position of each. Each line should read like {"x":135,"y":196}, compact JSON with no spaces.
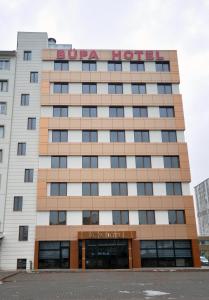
{"x":107,"y":285}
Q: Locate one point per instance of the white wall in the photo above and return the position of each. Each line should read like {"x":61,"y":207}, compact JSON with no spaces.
{"x":105,"y":217}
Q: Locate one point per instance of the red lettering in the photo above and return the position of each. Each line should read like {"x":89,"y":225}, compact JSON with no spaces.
{"x":128,"y":55}
{"x":149,"y":55}
{"x":139,"y":53}
{"x":116,"y":55}
{"x":93,"y":55}
{"x":158,"y":57}
{"x":83,"y":53}
{"x":60,"y":54}
{"x":72,"y":54}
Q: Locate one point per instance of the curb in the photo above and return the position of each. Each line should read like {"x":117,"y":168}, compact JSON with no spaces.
{"x":2,"y":279}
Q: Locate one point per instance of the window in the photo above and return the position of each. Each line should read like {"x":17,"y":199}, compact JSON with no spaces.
{"x":117,"y":136}
{"x":171,"y":161}
{"x":21,"y":149}
{"x":146,"y":217}
{"x":144,"y":189}
{"x":115,"y":88}
{"x":3,"y":85}
{"x":1,"y":155}
{"x":90,"y":217}
{"x":138,"y":88}
{"x":18,"y":201}
{"x":119,"y":189}
{"x":60,"y":111}
{"x":57,"y":218}
{"x":3,"y":108}
{"x":89,"y":66}
{"x":21,"y":263}
{"x":118,"y":162}
{"x":58,"y":189}
{"x":164,"y":88}
{"x":140,"y":112}
{"x":25,"y":99}
{"x":169,"y":136}
{"x":34,"y":77}
{"x":28,"y":175}
{"x":1,"y":131}
{"x":120,"y":217}
{"x":166,"y":111}
{"x":60,"y":88}
{"x":89,"y":162}
{"x":89,"y":111}
{"x":89,"y":136}
{"x":141,"y":136}
{"x":116,"y":112}
{"x":59,"y":136}
{"x":61,"y":65}
{"x":4,"y":64}
{"x":137,"y":66}
{"x":89,"y":88}
{"x":31,"y":124}
{"x":162,"y":66}
{"x":114,"y":66}
{"x":90,"y":189}
{"x":27,"y":55}
{"x":173,"y":188}
{"x":23,"y":233}
{"x":143,"y":162}
{"x":59,"y":162}
{"x":176,"y":217}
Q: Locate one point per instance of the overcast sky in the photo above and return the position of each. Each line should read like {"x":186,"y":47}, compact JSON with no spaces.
{"x":131,"y":24}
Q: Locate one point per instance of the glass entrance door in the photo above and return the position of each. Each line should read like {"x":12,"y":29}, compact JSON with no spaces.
{"x":107,"y":254}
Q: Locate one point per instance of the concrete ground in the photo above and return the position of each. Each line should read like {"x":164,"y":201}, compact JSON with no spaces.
{"x":107,"y":285}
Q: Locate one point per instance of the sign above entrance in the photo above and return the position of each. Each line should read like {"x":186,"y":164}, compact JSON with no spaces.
{"x":74,"y":54}
{"x":87,"y":235}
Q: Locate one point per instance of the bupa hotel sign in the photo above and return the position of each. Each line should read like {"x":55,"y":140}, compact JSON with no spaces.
{"x":148,"y":55}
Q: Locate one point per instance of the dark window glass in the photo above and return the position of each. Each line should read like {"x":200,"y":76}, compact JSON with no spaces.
{"x":138,"y":88}
{"x":146,"y":217}
{"x":176,"y":217}
{"x":90,"y":189}
{"x":90,"y":217}
{"x":117,"y":136}
{"x":166,"y":111}
{"x":144,"y":189}
{"x":57,"y":218}
{"x":59,"y":136}
{"x":118,"y":162}
{"x":59,"y":162}
{"x":60,"y":88}
{"x":141,"y":136}
{"x":61,"y":65}
{"x":120,"y":217}
{"x":173,"y":188}
{"x":116,"y":112}
{"x":115,"y":88}
{"x":119,"y":189}
{"x":21,"y":149}
{"x":89,"y":66}
{"x":2,"y":131}
{"x":18,"y":201}
{"x":137,"y":66}
{"x":34,"y":77}
{"x":169,"y":136}
{"x":23,"y":233}
{"x":171,"y":162}
{"x":3,"y":108}
{"x":89,"y":111}
{"x":162,"y":66}
{"x":1,"y":155}
{"x":60,"y":111}
{"x":58,"y":189}
{"x":164,"y":88}
{"x":31,"y":124}
{"x":27,"y":55}
{"x":28,"y":175}
{"x":25,"y":99}
{"x":21,"y":263}
{"x":89,"y":136}
{"x":4,"y":64}
{"x":3,"y":85}
{"x":89,"y":162}
{"x":114,"y":66}
{"x":143,"y":161}
{"x":140,"y":112}
{"x":89,"y":88}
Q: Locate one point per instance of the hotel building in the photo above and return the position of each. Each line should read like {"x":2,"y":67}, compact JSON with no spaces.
{"x":94,"y":166}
